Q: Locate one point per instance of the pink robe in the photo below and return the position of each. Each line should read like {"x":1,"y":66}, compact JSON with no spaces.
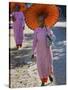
{"x":18,"y":27}
{"x":43,"y":51}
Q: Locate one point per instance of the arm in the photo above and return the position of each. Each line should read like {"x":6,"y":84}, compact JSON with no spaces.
{"x":51,"y":34}
{"x":13,"y":17}
{"x":34,"y":41}
{"x":23,"y":21}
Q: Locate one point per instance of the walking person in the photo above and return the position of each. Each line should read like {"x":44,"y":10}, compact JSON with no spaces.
{"x":18,"y":26}
{"x":43,"y":51}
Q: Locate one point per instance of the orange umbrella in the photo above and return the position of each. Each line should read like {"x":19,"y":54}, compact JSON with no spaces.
{"x":13,"y":4}
{"x":51,"y":13}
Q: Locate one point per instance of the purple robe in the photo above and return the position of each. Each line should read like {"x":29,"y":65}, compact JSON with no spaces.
{"x":18,"y":26}
{"x":43,"y":51}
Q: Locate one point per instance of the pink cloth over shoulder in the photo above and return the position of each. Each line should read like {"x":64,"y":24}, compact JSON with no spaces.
{"x":44,"y":53}
{"x":18,"y":26}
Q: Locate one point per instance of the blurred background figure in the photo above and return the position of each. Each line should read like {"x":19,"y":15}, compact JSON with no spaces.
{"x":18,"y":26}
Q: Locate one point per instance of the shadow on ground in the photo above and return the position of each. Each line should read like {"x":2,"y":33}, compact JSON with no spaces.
{"x":23,"y":57}
{"x":20,"y":58}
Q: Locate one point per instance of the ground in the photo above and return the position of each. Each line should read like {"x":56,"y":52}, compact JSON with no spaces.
{"x":23,"y":69}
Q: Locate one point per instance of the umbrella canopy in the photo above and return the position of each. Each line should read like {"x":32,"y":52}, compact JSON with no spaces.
{"x":13,"y":4}
{"x":51,"y":13}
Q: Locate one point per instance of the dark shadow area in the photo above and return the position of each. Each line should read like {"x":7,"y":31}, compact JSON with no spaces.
{"x":19,"y":58}
{"x":62,"y":9}
{"x":13,"y":49}
{"x":28,"y":37}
